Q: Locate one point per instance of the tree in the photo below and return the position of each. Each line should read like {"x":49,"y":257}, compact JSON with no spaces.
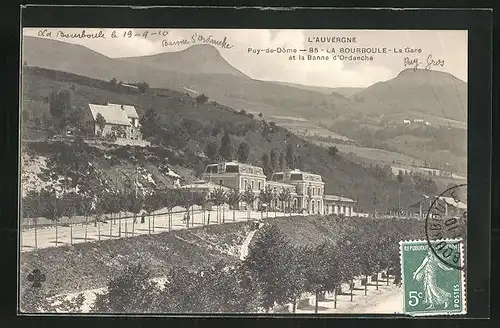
{"x":273,"y":160}
{"x":49,"y":205}
{"x":282,"y":161}
{"x":317,"y":273}
{"x":243,"y":152}
{"x":290,"y":156}
{"x":170,"y":200}
{"x":30,"y":206}
{"x":86,"y":205}
{"x":114,"y":204}
{"x":284,"y":197}
{"x":266,"y":164}
{"x":271,"y":261}
{"x":59,"y":103}
{"x":266,"y":196}
{"x":75,"y":118}
{"x":333,"y":150}
{"x":226,"y":148}
{"x":132,"y":291}
{"x":374,"y":201}
{"x":248,"y":197}
{"x":186,"y":200}
{"x":101,"y":122}
{"x":152,"y":202}
{"x":204,"y":201}
{"x":260,"y":115}
{"x":400,"y":177}
{"x":135,"y":204}
{"x":211,"y":151}
{"x":201,"y":99}
{"x":113,"y":81}
{"x":233,"y":199}
{"x":217,"y":197}
{"x":143,"y":87}
{"x":71,"y":202}
{"x":150,"y":123}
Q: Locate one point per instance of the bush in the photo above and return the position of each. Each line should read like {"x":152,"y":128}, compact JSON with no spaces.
{"x":201,"y":99}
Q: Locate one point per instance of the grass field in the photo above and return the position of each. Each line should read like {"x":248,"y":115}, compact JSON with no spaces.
{"x":369,"y":155}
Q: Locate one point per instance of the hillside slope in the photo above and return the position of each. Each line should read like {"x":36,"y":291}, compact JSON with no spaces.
{"x":201,"y":123}
{"x":198,"y":59}
{"x":203,"y":69}
{"x":90,"y":265}
{"x":423,"y":92}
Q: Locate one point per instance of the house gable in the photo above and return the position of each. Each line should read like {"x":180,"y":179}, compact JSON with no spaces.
{"x":112,"y":114}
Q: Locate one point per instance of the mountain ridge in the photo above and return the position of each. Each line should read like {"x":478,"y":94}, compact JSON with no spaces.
{"x":198,"y":58}
{"x":222,"y":82}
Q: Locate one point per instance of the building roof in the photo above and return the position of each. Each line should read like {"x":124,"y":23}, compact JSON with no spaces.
{"x":242,"y":167}
{"x":129,"y":109}
{"x":451,"y":201}
{"x":448,"y":200}
{"x":279,"y":184}
{"x":338,"y":198}
{"x":204,"y":185}
{"x":306,"y":175}
{"x":112,"y":114}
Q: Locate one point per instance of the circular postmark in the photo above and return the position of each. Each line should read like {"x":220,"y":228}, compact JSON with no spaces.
{"x":445,"y":225}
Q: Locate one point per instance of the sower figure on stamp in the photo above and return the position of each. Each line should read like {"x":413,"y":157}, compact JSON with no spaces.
{"x":426,"y":272}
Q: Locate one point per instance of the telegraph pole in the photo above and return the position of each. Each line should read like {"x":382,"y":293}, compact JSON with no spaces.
{"x":399,"y":201}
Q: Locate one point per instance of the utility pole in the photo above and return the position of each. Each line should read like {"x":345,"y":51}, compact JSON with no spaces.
{"x":136,"y":180}
{"x":36,"y":218}
{"x":399,"y":201}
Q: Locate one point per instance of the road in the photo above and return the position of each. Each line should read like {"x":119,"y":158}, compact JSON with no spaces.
{"x":388,"y":299}
{"x":79,"y":233}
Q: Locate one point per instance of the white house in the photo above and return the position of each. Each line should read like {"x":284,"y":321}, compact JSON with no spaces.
{"x":122,"y":121}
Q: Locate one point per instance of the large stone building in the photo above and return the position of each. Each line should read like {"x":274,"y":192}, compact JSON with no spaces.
{"x":237,"y":176}
{"x":307,"y":190}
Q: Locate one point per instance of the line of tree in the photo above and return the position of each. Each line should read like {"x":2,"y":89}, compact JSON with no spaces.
{"x":276,"y":272}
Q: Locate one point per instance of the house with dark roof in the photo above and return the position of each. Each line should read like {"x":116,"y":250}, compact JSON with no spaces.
{"x":122,"y":121}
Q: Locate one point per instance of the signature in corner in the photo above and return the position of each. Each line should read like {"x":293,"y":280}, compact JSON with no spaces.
{"x":415,"y":63}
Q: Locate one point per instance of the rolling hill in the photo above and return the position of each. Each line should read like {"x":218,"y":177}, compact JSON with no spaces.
{"x":342,"y":92}
{"x":197,"y":59}
{"x":437,"y":97}
{"x":206,"y":122}
{"x":202,"y":68}
{"x":418,"y":93}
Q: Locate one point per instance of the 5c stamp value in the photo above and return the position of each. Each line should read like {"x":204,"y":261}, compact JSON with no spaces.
{"x":431,"y":287}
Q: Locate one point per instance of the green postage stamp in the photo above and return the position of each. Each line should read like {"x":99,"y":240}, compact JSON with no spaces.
{"x":431,"y":285}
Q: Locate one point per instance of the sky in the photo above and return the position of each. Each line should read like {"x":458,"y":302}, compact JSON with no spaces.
{"x":447,"y":48}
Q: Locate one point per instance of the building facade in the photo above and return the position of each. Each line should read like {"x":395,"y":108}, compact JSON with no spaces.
{"x":306,"y":190}
{"x":122,"y":121}
{"x":309,"y":189}
{"x":338,"y":205}
{"x":238,"y":176}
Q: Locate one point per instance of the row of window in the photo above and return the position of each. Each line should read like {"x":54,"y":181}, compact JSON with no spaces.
{"x":312,"y":191}
{"x":252,"y":184}
{"x":338,"y":209}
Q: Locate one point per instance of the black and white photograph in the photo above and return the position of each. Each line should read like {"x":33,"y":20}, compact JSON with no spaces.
{"x":243,"y":171}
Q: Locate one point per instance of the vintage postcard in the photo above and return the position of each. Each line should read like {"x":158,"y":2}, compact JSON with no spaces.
{"x":243,"y":171}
